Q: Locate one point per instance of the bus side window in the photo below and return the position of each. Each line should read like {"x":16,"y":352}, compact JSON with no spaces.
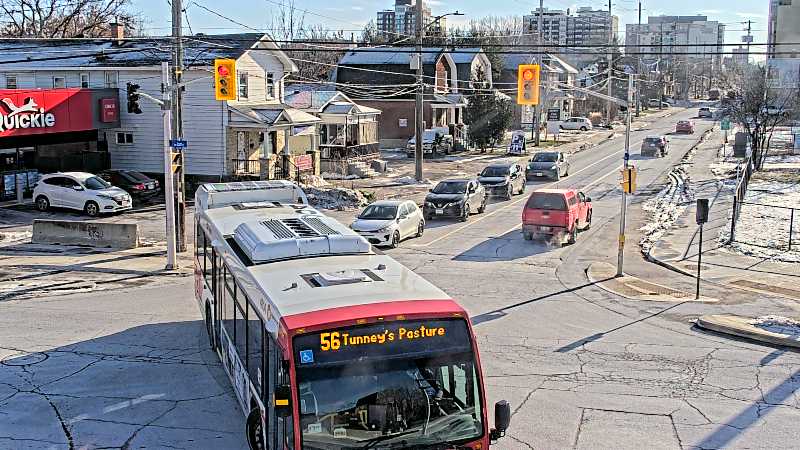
{"x":228,"y":295}
{"x":240,"y":341}
{"x":255,"y":338}
{"x":207,"y":261}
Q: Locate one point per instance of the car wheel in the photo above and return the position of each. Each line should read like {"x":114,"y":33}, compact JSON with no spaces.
{"x":573,"y":234}
{"x":588,"y":220}
{"x":42,"y":203}
{"x":255,"y":436}
{"x":395,"y":239}
{"x":465,"y":215}
{"x":522,"y":188}
{"x":527,"y":236}
{"x":583,"y":128}
{"x":558,"y":176}
{"x":91,"y":209}
{"x":509,"y":191}
{"x":566,"y":172}
{"x":420,"y":228}
{"x":427,"y":217}
{"x":482,"y":208}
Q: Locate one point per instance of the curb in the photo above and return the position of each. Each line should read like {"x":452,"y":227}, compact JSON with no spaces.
{"x":738,"y":326}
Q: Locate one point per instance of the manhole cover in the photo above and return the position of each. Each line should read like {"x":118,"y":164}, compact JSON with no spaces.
{"x":24,"y":359}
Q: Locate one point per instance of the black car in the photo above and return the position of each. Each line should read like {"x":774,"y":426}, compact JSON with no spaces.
{"x":139,"y":185}
{"x":552,"y":165}
{"x":503,"y":179}
{"x":455,"y":198}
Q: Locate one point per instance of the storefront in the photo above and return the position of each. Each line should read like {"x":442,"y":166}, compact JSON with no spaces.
{"x":51,"y":130}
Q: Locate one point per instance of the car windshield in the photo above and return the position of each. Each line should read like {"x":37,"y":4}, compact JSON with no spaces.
{"x":137,"y":176}
{"x":96,"y":183}
{"x":545,"y":157}
{"x":652,"y":140}
{"x":379,"y":212}
{"x":450,"y":187}
{"x":547,"y":200}
{"x":494,"y":171}
{"x":404,"y":393}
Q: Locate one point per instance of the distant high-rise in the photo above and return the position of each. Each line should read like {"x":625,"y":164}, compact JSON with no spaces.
{"x":401,"y":20}
{"x":586,"y":27}
{"x":783,"y":54}
{"x":663,"y":38}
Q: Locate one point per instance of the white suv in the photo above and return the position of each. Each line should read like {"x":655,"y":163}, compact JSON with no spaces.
{"x":82,"y":191}
{"x":576,"y":123}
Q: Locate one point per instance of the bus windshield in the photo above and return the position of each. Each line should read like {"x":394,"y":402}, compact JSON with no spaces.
{"x":393,"y":394}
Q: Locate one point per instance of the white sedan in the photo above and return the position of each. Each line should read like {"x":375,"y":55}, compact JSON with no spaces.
{"x":82,"y":191}
{"x":387,"y":222}
{"x":576,"y":123}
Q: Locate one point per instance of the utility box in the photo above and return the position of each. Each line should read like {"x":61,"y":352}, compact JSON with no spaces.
{"x":740,"y":144}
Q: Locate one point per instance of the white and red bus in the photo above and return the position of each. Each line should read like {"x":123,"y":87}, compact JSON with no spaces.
{"x":329,"y":345}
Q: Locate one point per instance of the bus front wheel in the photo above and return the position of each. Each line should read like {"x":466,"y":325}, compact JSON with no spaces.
{"x":255,"y":435}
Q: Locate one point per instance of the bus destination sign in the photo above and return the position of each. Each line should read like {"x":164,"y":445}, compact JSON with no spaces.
{"x":386,"y":339}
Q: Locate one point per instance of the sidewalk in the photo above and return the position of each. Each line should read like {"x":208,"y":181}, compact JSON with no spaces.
{"x":678,"y":248}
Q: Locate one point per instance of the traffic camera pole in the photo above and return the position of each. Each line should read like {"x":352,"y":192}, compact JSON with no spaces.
{"x":177,"y":123}
{"x":169,"y":185}
{"x":624,"y":206}
{"x":418,"y":112}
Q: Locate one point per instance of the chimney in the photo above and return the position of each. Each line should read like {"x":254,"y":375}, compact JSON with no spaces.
{"x":117,"y":31}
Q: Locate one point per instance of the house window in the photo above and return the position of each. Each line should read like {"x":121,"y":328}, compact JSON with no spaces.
{"x":270,"y":85}
{"x":59,"y":82}
{"x":124,"y":138}
{"x":84,"y":80}
{"x":11,"y":81}
{"x":243,"y":85}
{"x":111,"y":79}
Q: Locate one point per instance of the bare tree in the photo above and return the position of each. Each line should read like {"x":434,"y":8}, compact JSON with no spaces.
{"x":759,"y":107}
{"x":288,"y":22}
{"x":64,"y":18}
{"x":316,"y":57}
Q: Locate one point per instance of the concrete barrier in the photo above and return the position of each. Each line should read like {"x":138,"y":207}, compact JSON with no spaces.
{"x":91,"y":234}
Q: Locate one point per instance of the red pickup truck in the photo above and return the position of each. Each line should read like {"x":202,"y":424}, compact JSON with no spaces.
{"x":556,"y":213}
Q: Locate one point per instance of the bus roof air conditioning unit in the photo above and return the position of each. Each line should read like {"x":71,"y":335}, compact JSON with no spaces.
{"x":297,"y":237}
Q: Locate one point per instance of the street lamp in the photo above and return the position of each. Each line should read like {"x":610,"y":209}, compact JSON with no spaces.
{"x":418,"y":114}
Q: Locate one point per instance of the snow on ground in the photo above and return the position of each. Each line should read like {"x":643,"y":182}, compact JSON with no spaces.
{"x":763,"y":229}
{"x":335,"y":198}
{"x":338,"y":176}
{"x":412,"y":181}
{"x":778,"y":324}
{"x":14,"y":237}
{"x":665,"y":208}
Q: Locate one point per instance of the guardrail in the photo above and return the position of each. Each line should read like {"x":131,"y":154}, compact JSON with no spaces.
{"x":744,"y":173}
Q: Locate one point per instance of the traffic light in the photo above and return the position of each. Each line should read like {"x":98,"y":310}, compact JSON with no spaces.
{"x":133,"y":99}
{"x":628,"y":180}
{"x":528,"y":84}
{"x":225,"y":79}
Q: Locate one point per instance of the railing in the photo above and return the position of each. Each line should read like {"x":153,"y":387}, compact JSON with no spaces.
{"x":768,"y":226}
{"x":745,"y":171}
{"x":246,"y":166}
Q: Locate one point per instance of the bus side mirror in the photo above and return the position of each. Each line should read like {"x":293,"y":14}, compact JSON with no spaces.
{"x":502,"y":419}
{"x":283,"y":400}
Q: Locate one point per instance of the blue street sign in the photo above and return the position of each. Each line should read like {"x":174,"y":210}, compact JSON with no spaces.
{"x":177,"y":143}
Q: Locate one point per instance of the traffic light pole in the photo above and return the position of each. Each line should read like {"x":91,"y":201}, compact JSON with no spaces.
{"x":419,"y":119}
{"x":626,"y":158}
{"x":177,"y":125}
{"x":169,"y":185}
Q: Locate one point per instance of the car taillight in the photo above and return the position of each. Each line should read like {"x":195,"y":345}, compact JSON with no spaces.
{"x":138,"y":187}
{"x":155,"y":182}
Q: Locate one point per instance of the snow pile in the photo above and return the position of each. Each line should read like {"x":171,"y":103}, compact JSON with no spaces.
{"x":783,"y":159}
{"x":335,"y":198}
{"x":762,"y":229}
{"x":666,"y":207}
{"x":314,"y":181}
{"x":778,"y":324}
{"x":412,"y":181}
{"x":338,"y":176}
{"x":14,"y":237}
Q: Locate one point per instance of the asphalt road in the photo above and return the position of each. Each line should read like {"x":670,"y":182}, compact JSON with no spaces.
{"x":581,"y":367}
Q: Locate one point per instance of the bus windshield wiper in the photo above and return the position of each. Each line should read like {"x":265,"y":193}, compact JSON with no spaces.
{"x":371,"y":443}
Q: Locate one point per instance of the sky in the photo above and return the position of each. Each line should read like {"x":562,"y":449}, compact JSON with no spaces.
{"x":352,"y":15}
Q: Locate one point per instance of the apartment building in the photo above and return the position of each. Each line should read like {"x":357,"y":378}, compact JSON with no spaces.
{"x":401,"y":21}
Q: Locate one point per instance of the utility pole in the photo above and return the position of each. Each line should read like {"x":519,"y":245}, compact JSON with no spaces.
{"x":686,"y":81}
{"x":169,"y":185}
{"x":610,"y":63}
{"x":626,"y":158}
{"x":537,"y":114}
{"x":177,"y":124}
{"x":639,"y":60}
{"x":749,"y":39}
{"x":418,"y":111}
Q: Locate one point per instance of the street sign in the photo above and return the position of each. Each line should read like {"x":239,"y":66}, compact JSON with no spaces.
{"x":554,"y":114}
{"x":725,"y":124}
{"x":177,"y":144}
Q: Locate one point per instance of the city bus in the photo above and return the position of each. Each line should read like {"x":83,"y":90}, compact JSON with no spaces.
{"x":327,"y":344}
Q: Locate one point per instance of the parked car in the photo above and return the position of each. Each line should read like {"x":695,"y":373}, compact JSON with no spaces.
{"x":82,"y":191}
{"x":556,"y":213}
{"x":576,"y":123}
{"x":433,"y":141}
{"x":547,"y":164}
{"x":654,"y":146}
{"x":139,"y":185}
{"x":656,"y":103}
{"x":704,"y":112}
{"x":387,"y":222}
{"x":504,"y":179}
{"x":684,"y":126}
{"x":455,"y":198}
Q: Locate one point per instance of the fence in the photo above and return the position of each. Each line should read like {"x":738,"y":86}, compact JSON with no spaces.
{"x":768,"y":226}
{"x":745,"y":171}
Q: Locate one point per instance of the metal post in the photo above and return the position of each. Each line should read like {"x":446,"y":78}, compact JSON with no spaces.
{"x":624,"y":206}
{"x":734,"y":217}
{"x":169,"y":180}
{"x":537,"y":112}
{"x":699,"y":261}
{"x":639,"y":63}
{"x":418,"y":111}
{"x":610,"y":65}
{"x":177,"y":122}
{"x":791,"y":228}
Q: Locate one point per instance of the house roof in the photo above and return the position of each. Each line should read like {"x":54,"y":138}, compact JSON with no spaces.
{"x":310,"y":99}
{"x":272,"y":114}
{"x":567,"y":67}
{"x":348,"y":108}
{"x":388,"y":56}
{"x":465,"y":55}
{"x":199,"y":50}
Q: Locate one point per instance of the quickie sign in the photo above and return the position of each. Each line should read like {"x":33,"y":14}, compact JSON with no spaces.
{"x":38,"y":111}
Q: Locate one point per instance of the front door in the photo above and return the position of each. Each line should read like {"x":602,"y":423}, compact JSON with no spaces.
{"x":71,"y":197}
